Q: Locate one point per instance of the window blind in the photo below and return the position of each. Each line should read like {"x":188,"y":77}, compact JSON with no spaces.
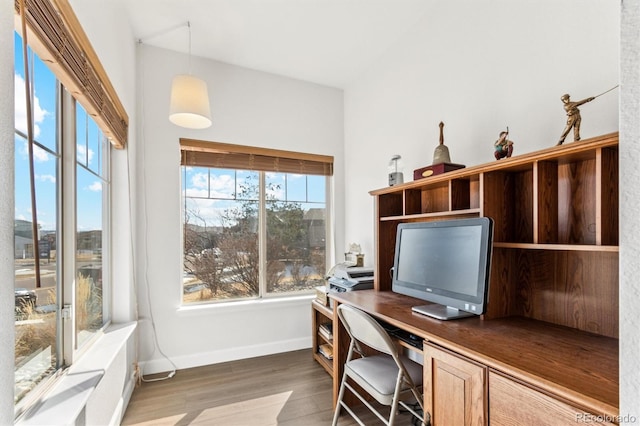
{"x":229,"y":156}
{"x":55,"y":34}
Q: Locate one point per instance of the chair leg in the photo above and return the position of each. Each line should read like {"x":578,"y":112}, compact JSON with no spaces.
{"x":394,"y":402}
{"x":336,"y":413}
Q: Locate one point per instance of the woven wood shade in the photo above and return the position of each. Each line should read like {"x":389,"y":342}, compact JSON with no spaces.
{"x":228,"y":156}
{"x":55,"y":34}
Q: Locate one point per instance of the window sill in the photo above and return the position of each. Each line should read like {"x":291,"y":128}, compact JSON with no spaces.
{"x":246,"y":305}
{"x":67,"y":400}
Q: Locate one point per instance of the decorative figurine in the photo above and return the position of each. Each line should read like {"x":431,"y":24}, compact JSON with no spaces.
{"x":441,"y":161}
{"x":395,"y":171}
{"x":441,"y":153}
{"x":503,"y":146}
{"x":573,"y":115}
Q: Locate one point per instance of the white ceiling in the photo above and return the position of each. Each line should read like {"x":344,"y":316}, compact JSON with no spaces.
{"x":327,"y":42}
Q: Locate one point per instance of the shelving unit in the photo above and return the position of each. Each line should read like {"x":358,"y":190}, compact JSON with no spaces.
{"x":321,"y":314}
{"x":555,"y":212}
{"x":546,"y":349}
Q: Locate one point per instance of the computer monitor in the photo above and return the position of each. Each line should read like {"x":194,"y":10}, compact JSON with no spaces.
{"x":446,"y":263}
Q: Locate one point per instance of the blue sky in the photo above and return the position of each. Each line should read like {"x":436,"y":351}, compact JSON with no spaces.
{"x":213,"y":191}
{"x":89,"y":197}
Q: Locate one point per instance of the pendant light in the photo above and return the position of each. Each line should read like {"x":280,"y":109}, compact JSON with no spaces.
{"x":189,"y":99}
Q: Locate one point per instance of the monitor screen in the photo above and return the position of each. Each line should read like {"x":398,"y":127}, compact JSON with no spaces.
{"x":446,"y":263}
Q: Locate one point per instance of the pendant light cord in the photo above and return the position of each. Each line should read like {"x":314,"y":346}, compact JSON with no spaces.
{"x":189,"y":27}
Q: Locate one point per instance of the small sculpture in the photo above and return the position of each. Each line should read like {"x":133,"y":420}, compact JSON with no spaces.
{"x":441,"y":153}
{"x":395,"y":171}
{"x":573,"y":115}
{"x":503,"y":146}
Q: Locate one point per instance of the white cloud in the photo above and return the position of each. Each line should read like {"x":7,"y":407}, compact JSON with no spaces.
{"x":222,"y":186}
{"x":81,"y":154}
{"x":20,"y":102}
{"x":46,"y":178}
{"x":95,"y":186}
{"x":39,"y":154}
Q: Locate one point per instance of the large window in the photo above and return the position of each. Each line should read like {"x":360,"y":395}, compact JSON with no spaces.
{"x":68,"y":201}
{"x":37,"y":349}
{"x":252,"y":233}
{"x":92,"y":202}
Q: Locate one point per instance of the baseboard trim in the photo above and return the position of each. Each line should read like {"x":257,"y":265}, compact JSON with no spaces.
{"x":231,"y":354}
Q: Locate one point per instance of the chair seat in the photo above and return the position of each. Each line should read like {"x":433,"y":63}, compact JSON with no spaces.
{"x":377,"y":375}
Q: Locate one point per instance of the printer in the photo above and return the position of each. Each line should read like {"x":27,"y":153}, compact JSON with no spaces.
{"x":343,"y":278}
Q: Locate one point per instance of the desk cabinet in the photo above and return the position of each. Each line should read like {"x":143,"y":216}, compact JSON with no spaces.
{"x":513,"y":403}
{"x":455,"y":389}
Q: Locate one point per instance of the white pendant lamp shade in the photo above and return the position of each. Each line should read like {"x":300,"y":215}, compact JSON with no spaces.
{"x":189,"y":102}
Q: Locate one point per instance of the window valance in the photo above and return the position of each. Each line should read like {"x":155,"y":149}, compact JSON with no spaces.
{"x":229,"y":156}
{"x":55,"y":34}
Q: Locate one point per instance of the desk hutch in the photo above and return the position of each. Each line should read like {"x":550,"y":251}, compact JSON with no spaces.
{"x":546,"y":350}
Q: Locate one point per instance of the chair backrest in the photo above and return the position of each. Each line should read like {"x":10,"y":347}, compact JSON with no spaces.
{"x":363,"y":328}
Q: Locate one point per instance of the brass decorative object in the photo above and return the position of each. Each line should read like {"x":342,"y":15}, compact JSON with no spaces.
{"x":441,"y":161}
{"x":441,"y":153}
{"x":503,"y":147}
{"x":573,"y":115}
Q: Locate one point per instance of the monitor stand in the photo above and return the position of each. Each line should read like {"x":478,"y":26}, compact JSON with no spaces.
{"x":441,"y":312}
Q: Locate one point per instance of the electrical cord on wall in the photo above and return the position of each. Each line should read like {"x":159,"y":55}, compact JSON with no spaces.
{"x":145,"y":232}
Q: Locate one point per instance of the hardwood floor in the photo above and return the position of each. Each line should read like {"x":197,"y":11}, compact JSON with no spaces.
{"x":281,"y":389}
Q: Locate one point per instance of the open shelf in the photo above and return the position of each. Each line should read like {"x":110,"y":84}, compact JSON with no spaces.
{"x":320,"y":315}
{"x":555,"y":216}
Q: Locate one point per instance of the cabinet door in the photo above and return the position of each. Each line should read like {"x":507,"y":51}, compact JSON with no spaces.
{"x":455,"y":391}
{"x":512,"y":403}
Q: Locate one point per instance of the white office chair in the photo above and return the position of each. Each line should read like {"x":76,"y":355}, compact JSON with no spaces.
{"x":384,"y":376}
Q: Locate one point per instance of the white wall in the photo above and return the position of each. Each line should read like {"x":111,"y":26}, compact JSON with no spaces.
{"x":7,"y":213}
{"x":248,"y":108}
{"x":629,"y":208}
{"x":478,"y":66}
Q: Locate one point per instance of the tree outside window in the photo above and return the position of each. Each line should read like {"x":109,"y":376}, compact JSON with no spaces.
{"x":250,"y":234}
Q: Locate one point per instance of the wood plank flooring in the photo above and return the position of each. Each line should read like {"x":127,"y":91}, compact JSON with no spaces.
{"x":282,"y":389}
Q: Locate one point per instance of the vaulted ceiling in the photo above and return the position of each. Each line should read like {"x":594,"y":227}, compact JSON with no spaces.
{"x":328,"y":42}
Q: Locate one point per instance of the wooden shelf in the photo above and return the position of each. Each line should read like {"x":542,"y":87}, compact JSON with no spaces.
{"x":435,"y":215}
{"x":321,"y":314}
{"x":555,"y":215}
{"x":567,"y":247}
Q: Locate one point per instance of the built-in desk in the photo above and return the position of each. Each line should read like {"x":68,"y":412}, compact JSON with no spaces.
{"x":527,"y":370}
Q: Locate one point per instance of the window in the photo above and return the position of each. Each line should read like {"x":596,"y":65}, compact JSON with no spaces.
{"x":62,"y":203}
{"x":37,"y":352}
{"x":92,"y":202}
{"x":252,"y":231}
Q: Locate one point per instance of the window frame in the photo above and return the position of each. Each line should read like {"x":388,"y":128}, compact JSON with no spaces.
{"x":210,"y":155}
{"x":93,"y":90}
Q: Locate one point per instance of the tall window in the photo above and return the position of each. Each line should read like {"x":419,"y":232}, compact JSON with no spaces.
{"x":65,"y":192}
{"x":92,"y":201}
{"x":251,"y":231}
{"x":37,"y":352}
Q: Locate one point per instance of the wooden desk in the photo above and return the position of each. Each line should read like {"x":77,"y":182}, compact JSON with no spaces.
{"x":533,"y":371}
